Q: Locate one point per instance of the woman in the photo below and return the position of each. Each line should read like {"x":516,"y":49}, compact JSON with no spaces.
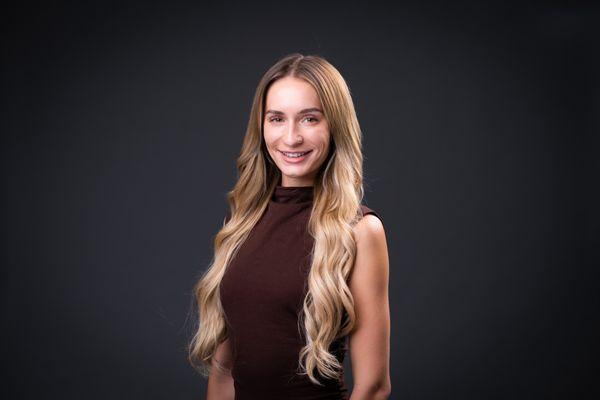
{"x":300,"y":265}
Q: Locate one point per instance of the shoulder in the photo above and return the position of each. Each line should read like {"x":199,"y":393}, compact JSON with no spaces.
{"x":371,"y":263}
{"x":370,"y":227}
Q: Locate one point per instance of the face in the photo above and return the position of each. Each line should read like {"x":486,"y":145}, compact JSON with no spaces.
{"x":295,"y":123}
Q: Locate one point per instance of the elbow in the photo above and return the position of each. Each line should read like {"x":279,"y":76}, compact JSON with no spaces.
{"x":386,"y":393}
{"x":382,"y":392}
{"x":378,"y":391}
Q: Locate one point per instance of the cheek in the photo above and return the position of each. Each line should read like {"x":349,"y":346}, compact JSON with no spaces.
{"x":320,"y":137}
{"x":326,"y":141}
{"x":268,"y":138}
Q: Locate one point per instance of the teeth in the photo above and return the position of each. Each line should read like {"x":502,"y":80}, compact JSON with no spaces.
{"x":295,"y":154}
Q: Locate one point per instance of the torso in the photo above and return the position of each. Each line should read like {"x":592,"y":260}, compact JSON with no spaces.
{"x":262,"y":293}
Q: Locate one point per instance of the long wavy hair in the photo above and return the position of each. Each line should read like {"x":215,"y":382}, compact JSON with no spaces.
{"x":328,"y":307}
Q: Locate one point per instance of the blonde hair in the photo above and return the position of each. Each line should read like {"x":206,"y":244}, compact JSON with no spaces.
{"x":328,"y":308}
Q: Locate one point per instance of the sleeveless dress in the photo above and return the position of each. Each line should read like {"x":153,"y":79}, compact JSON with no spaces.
{"x":262,"y":293}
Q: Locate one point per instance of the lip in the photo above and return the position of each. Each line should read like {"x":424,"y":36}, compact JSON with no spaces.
{"x":295,"y":160}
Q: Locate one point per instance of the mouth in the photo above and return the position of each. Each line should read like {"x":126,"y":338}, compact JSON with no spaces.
{"x":295,"y":156}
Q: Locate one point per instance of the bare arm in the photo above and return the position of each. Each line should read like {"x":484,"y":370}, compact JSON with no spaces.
{"x":370,"y":339}
{"x":220,"y":381}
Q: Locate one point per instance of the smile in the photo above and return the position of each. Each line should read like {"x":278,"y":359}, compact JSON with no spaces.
{"x":295,"y":157}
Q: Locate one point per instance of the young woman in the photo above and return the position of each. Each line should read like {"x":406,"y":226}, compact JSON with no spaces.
{"x":300,"y":266}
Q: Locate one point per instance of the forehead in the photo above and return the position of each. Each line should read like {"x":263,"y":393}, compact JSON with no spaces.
{"x":292,"y":94}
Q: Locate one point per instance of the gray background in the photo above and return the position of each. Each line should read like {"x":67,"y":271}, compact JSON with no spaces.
{"x":120,"y":129}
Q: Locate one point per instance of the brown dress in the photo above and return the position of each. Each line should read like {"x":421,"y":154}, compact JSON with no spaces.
{"x":262,"y":293}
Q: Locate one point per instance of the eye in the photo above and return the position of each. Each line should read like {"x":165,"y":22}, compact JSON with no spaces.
{"x":272,"y":119}
{"x":314,"y":119}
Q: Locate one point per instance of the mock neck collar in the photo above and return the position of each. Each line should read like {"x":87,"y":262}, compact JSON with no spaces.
{"x":292,"y":194}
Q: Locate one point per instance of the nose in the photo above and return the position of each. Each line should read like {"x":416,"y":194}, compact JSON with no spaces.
{"x":291,"y":137}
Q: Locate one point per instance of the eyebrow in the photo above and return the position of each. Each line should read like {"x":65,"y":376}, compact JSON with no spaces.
{"x":306,"y":110}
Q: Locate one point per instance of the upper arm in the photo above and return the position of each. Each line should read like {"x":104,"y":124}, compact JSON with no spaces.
{"x":220,"y":382}
{"x":223,"y":357}
{"x":369,"y":341}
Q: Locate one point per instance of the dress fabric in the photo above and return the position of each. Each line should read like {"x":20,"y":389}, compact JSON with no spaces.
{"x":262,"y":293}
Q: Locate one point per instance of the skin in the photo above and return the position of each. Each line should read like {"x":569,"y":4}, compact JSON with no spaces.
{"x":287,"y":128}
{"x":220,"y":381}
{"x":369,"y":341}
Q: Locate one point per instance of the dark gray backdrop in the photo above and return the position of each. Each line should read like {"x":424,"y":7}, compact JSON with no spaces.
{"x":120,"y":129}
